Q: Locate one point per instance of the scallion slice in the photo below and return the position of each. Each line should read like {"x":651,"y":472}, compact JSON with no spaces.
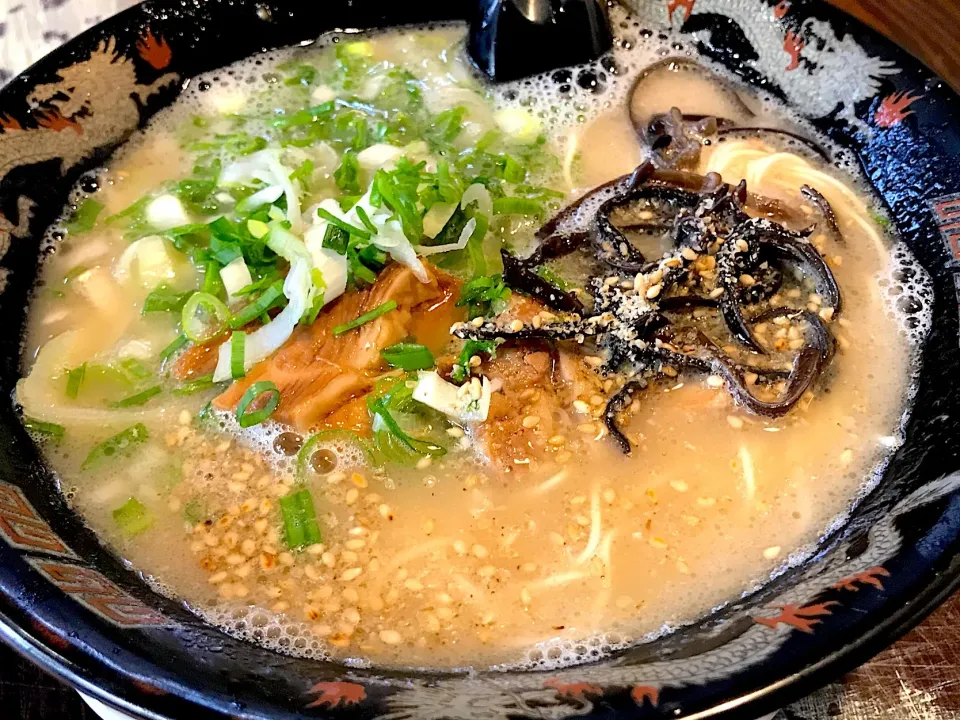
{"x":408,"y":356}
{"x":75,"y":380}
{"x":132,"y":517}
{"x":119,"y":444}
{"x":139,"y":399}
{"x":47,"y":429}
{"x":238,"y":343}
{"x":204,"y":382}
{"x":343,"y":225}
{"x":365,"y":219}
{"x":178,"y":342}
{"x":259,"y":306}
{"x":255,"y":417}
{"x":517,"y":206}
{"x":165,"y":299}
{"x":299,"y":519}
{"x":333,"y":435}
{"x":204,"y":318}
{"x":378,"y":311}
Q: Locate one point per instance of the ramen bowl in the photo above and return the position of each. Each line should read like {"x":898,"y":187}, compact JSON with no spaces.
{"x":73,"y":607}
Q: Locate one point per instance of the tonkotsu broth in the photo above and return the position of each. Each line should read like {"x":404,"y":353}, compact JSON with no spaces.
{"x":561,"y":555}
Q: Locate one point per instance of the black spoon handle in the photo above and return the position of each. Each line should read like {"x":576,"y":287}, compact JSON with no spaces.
{"x":510,"y":39}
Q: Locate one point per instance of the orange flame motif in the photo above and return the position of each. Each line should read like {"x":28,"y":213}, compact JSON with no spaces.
{"x":9,"y":123}
{"x":802,"y":618}
{"x":53,"y":120}
{"x":674,"y":5}
{"x":154,"y":50}
{"x":645,"y":693}
{"x":781,"y":9}
{"x":573,"y":690}
{"x":893,"y":109}
{"x":868,"y":577}
{"x":793,"y":44}
{"x":334,"y":694}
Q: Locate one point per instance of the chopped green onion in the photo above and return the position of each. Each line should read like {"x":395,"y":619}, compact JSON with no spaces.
{"x":378,"y":311}
{"x":132,"y":517}
{"x":342,"y":224}
{"x":165,"y":299}
{"x":204,"y":382}
{"x":178,"y":342}
{"x":212,"y":284}
{"x":75,"y":380}
{"x":516,"y":206}
{"x":47,"y":429}
{"x":134,"y":368}
{"x":238,"y":342}
{"x":336,"y":239}
{"x":119,"y":444}
{"x":258,"y":228}
{"x":259,"y":306}
{"x":299,"y":519}
{"x":346,"y":176}
{"x":84,"y":217}
{"x":513,"y":172}
{"x":139,"y":399}
{"x":408,"y":356}
{"x":204,"y":317}
{"x":194,"y":511}
{"x":365,"y":219}
{"x":255,"y":417}
{"x":310,"y":446}
{"x":484,"y":294}
{"x":461,"y":371}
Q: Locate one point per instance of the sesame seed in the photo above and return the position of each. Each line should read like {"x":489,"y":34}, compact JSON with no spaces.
{"x":525,"y":596}
{"x":581,"y":406}
{"x":475,"y":361}
{"x":652,"y":292}
{"x":658,"y":542}
{"x":390,"y":637}
{"x":455,"y":432}
{"x":846,"y":457}
{"x":593,"y":360}
{"x":679,"y":485}
{"x":477,"y":322}
{"x":688,"y":254}
{"x":715,"y":293}
{"x":351,"y":496}
{"x":424,"y":462}
{"x":771,"y":552}
{"x":747,"y":280}
{"x":734,"y":422}
{"x":185,"y":417}
{"x":351,"y":574}
{"x":715,"y":381}
{"x":516,"y":325}
{"x":531,"y":421}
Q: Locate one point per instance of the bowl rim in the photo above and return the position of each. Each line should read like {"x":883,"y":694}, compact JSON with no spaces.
{"x":773,"y":695}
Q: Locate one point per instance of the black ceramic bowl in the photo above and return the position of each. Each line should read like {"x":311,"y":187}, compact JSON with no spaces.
{"x":72,"y":607}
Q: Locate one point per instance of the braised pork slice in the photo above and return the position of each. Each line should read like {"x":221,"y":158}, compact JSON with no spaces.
{"x":318,"y":373}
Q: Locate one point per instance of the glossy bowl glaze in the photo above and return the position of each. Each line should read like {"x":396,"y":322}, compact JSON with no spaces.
{"x":73,"y":607}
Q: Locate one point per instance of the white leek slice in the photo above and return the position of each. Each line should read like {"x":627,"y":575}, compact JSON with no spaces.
{"x":333,"y":268}
{"x":378,"y":156}
{"x":282,"y":175}
{"x":136,"y":349}
{"x":521,"y":124}
{"x":437,"y":217}
{"x":236,"y":276}
{"x":435,"y":392}
{"x":266,"y":196}
{"x":460,"y":244}
{"x":153,"y":258}
{"x":322,"y":94}
{"x":479,"y":194}
{"x":166,"y":212}
{"x":262,"y":343}
{"x":392,"y":240}
{"x":287,"y":245}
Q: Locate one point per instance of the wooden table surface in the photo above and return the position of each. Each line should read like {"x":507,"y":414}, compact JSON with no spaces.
{"x":918,"y":678}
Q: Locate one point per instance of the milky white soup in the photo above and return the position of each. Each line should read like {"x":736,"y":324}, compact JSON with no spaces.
{"x":391,"y":498}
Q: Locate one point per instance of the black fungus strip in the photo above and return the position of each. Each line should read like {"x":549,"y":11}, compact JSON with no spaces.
{"x":616,"y":405}
{"x":519,"y":276}
{"x":824,"y":208}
